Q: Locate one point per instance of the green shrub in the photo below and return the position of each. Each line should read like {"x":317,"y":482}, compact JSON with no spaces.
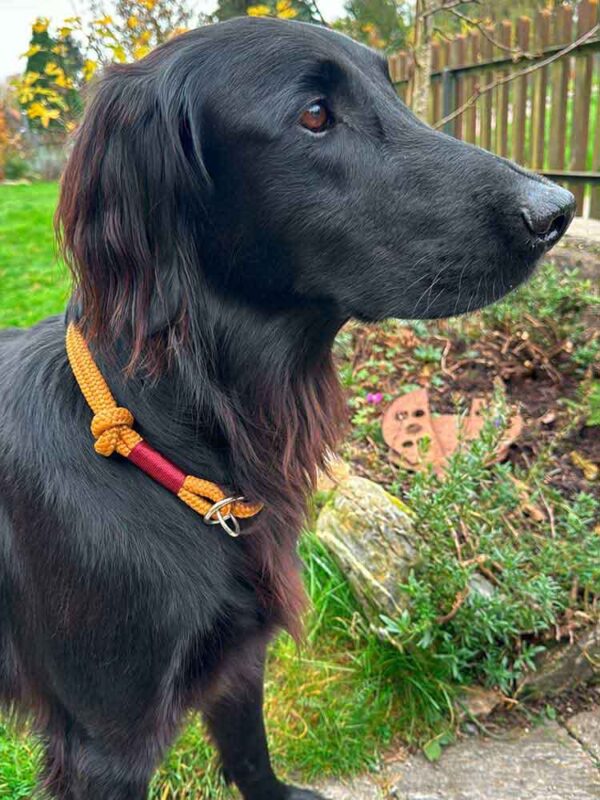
{"x":494,"y":576}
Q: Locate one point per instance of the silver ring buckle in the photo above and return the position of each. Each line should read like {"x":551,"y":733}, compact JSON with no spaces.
{"x":215,"y":510}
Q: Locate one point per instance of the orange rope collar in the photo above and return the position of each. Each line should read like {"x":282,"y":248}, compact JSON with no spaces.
{"x":112,"y":428}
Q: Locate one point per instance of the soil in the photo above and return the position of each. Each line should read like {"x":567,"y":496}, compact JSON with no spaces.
{"x":540,"y":382}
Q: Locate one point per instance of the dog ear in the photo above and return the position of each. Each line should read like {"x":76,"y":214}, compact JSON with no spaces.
{"x":132,"y":208}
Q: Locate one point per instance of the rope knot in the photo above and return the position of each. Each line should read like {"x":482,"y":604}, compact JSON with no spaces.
{"x":107,"y":428}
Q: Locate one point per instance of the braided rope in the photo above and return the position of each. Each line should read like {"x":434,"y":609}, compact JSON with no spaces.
{"x":112,"y":429}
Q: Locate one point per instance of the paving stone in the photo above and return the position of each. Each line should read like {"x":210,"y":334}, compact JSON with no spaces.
{"x":361,"y":789}
{"x":546,"y":763}
{"x":585,"y":727}
{"x":543,"y":764}
{"x":585,"y":229}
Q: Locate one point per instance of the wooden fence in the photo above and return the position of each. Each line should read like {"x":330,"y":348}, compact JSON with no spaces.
{"x":547,"y":120}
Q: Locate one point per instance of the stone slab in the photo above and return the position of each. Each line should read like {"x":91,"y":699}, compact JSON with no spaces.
{"x":585,"y":229}
{"x":585,"y":727}
{"x":545,"y":763}
{"x":360,"y":789}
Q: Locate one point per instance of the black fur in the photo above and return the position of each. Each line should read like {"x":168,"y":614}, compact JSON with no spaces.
{"x":217,"y":247}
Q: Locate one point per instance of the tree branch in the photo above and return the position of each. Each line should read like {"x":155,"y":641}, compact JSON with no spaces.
{"x":515,"y":75}
{"x":447,"y":6}
{"x":517,"y":52}
{"x":322,"y":19}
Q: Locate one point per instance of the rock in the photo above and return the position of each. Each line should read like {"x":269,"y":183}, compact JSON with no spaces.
{"x":359,"y":789}
{"x":337,"y":471}
{"x":565,"y":667}
{"x":546,"y":763}
{"x":481,"y":586}
{"x":585,"y":727}
{"x":371,"y":535}
{"x":543,"y":764}
{"x":479,"y":702}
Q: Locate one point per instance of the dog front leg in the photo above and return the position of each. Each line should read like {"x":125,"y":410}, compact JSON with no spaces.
{"x":236,"y":724}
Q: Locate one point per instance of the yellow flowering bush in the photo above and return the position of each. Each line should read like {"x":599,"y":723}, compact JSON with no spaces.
{"x":61,"y":60}
{"x":303,"y":10}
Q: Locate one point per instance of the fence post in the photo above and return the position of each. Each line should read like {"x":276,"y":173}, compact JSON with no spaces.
{"x":505,"y":35}
{"x":434,"y":103}
{"x":563,"y":33}
{"x":588,"y":12}
{"x":448,"y":98}
{"x":457,"y":59}
{"x":487,"y":49}
{"x":472,"y":57}
{"x":595,"y":197}
{"x":520,"y":96}
{"x":540,"y":90}
{"x":595,"y":200}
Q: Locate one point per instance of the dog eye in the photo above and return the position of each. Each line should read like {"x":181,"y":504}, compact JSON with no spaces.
{"x":317,"y":117}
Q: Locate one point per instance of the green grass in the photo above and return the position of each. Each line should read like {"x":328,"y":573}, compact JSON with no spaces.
{"x":334,"y":705}
{"x":32,"y":282}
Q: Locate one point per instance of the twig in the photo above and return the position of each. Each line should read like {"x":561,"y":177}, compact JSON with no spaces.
{"x":520,"y":74}
{"x":319,"y":15}
{"x":517,"y":52}
{"x":460,"y":599}
{"x":447,"y":7}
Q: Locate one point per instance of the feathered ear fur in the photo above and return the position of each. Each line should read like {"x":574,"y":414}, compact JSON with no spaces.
{"x":131,"y":213}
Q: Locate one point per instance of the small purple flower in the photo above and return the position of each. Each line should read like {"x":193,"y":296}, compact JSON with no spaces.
{"x":374,"y":398}
{"x":497,"y":422}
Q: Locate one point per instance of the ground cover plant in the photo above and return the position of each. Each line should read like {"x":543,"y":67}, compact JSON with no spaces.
{"x":527,"y":531}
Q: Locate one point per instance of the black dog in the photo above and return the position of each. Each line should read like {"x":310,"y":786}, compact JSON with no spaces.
{"x":231,"y":200}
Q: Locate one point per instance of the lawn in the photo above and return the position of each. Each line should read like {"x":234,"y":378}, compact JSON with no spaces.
{"x":32,"y":282}
{"x":339,"y":703}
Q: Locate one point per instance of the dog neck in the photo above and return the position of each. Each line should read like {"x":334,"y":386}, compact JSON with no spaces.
{"x":250,"y":400}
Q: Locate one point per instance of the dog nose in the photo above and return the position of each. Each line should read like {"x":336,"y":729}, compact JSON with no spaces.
{"x":548,"y":211}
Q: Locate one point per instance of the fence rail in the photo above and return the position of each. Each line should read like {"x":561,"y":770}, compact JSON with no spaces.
{"x":547,"y":120}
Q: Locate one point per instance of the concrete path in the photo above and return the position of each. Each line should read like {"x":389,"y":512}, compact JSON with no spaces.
{"x":550,"y":762}
{"x":585,"y":229}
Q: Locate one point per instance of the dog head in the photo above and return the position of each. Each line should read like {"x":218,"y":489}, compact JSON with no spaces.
{"x":273,"y":164}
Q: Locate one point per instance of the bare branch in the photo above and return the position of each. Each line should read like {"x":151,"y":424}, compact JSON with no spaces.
{"x":447,"y":6}
{"x":322,"y":19}
{"x":477,"y":23}
{"x":515,"y":75}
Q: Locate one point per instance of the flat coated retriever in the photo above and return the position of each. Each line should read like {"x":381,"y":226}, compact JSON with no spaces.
{"x":231,"y":200}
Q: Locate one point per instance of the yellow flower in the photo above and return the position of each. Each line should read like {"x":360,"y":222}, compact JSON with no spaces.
{"x":141,"y":50}
{"x":60,"y":50}
{"x":40,"y":25}
{"x":133,"y":22}
{"x":119,"y":53}
{"x":287,"y":13}
{"x":31,"y":77}
{"x":89,"y":67}
{"x":143,"y":38}
{"x":177,"y":32}
{"x":33,"y":51}
{"x":51,"y":95}
{"x":258,"y":11}
{"x":74,"y":21}
{"x":149,"y":4}
{"x":25,"y":95}
{"x":53,"y":69}
{"x":64,"y":82}
{"x":43,"y":113}
{"x":70,"y":126}
{"x":103,"y":21}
